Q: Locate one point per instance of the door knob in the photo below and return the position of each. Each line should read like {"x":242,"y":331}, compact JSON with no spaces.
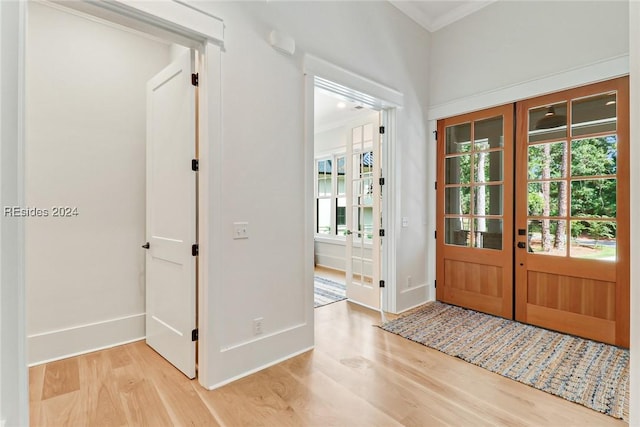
{"x":522,"y":245}
{"x":146,"y":245}
{"x":348,"y":232}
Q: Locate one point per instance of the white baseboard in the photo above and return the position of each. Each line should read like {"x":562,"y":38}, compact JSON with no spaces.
{"x":60,"y":344}
{"x":260,"y":368}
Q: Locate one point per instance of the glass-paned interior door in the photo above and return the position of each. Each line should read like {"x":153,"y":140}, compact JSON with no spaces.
{"x":475,"y":215}
{"x":572,"y":212}
{"x":363,"y":216}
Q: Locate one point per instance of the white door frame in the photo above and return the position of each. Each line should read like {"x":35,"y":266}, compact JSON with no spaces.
{"x":377,"y":97}
{"x":172,"y":21}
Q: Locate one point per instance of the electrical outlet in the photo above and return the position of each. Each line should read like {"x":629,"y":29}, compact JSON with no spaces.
{"x":257,"y":326}
{"x":240,"y":230}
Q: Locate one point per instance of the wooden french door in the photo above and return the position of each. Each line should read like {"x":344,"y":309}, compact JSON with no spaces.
{"x":475,"y":211}
{"x":572,"y":211}
{"x":568,"y":222}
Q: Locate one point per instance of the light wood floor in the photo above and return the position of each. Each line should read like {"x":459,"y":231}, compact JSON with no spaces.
{"x":358,"y":375}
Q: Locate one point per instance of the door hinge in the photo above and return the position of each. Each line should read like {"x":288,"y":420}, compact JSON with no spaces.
{"x":435,"y":234}
{"x":382,"y":283}
{"x":435,"y":133}
{"x":381,"y":181}
{"x":381,"y":130}
{"x":194,"y":335}
{"x":381,"y":233}
{"x":435,"y":185}
{"x":435,"y":283}
{"x":195,"y":250}
{"x":195,"y":165}
{"x":194,"y":79}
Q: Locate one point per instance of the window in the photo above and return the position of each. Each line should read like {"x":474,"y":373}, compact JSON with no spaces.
{"x":331,"y":196}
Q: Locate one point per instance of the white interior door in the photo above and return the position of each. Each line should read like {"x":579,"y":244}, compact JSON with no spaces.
{"x":363,"y":216}
{"x":171,"y":214}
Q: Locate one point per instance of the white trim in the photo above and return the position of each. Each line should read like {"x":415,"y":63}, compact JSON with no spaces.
{"x":261,"y":337}
{"x":390,"y":206}
{"x":209,"y":193}
{"x":166,"y":19}
{"x":574,"y":77}
{"x":106,"y":347}
{"x":465,"y":9}
{"x":415,"y":306}
{"x":81,"y":339}
{"x":326,"y":70}
{"x":634,"y":203}
{"x":414,"y":288}
{"x":14,"y":391}
{"x":258,"y":369}
{"x":418,"y":15}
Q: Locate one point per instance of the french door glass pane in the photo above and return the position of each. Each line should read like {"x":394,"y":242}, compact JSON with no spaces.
{"x":594,"y":114}
{"x":547,"y":161}
{"x":457,"y":231}
{"x":457,"y":200}
{"x":488,"y":233}
{"x":548,"y":122}
{"x":341,"y":215}
{"x":488,"y":166}
{"x":458,"y":138}
{"x":593,"y":198}
{"x":547,"y":236}
{"x":594,"y":156}
{"x":458,"y":169}
{"x":593,"y":239}
{"x":487,"y":200}
{"x":546,"y":198}
{"x":341,"y":170}
{"x":324,"y":216}
{"x":488,"y":133}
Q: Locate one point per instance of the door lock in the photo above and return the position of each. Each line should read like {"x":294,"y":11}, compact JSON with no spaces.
{"x":522,"y":245}
{"x":146,"y":245}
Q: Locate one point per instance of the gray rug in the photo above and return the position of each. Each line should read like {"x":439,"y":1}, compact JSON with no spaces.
{"x":592,"y":374}
{"x":326,"y":291}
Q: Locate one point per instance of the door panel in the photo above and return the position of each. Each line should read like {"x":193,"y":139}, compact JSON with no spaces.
{"x":474,"y":199}
{"x":572,"y":212}
{"x":363,"y":216}
{"x":171,"y":214}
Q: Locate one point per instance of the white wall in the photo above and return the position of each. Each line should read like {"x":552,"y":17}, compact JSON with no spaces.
{"x":85,"y":148}
{"x":508,"y":43}
{"x":263,"y":115}
{"x":14,"y":396}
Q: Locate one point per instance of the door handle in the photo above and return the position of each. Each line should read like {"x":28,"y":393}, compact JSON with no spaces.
{"x":146,"y":245}
{"x":522,"y":245}
{"x":348,"y":232}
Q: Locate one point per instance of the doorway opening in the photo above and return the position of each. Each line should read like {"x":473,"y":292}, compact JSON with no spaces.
{"x":349,"y":162}
{"x":344,"y":162}
{"x":87,"y":182}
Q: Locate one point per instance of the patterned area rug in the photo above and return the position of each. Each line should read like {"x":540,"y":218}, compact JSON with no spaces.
{"x":326,"y":291}
{"x":592,"y":374}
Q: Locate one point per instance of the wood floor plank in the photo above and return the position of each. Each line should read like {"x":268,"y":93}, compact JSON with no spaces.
{"x":101,"y":394}
{"x":60,"y":377}
{"x":357,"y":375}
{"x":177,"y":392}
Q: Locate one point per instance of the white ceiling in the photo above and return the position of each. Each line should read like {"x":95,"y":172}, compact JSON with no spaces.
{"x":433,"y":15}
{"x":328,"y":115}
